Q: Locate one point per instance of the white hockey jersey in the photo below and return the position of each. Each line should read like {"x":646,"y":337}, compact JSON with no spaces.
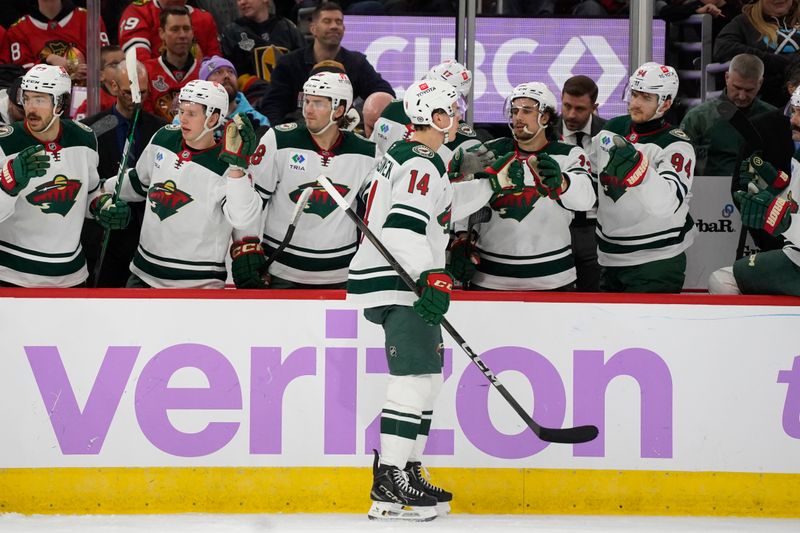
{"x":792,"y":235}
{"x":40,"y":227}
{"x":526,"y":244}
{"x":192,"y":211}
{"x":287,"y":161}
{"x":411,"y":202}
{"x":650,"y":221}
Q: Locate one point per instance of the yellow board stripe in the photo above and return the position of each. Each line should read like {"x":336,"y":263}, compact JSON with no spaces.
{"x":326,"y":490}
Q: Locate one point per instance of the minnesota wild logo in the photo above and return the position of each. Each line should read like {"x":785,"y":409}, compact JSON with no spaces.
{"x":516,"y":205}
{"x":444,"y":219}
{"x":320,"y":202}
{"x":56,"y":196}
{"x":165,"y":199}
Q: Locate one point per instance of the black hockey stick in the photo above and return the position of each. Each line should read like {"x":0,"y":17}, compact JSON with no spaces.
{"x":136,"y":95}
{"x":478,"y":217}
{"x":299,"y":207}
{"x":562,"y":435}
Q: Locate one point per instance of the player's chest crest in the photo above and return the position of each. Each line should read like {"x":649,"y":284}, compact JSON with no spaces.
{"x":516,"y":206}
{"x":320,"y":203}
{"x":55,"y":196}
{"x":166,"y":199}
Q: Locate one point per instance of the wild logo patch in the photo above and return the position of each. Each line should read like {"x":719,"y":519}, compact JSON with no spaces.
{"x":320,"y":202}
{"x":444,"y":219}
{"x":56,"y":196}
{"x":516,"y":205}
{"x":166,"y":199}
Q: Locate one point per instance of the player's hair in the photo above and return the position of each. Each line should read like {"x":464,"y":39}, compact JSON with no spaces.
{"x":325,"y":6}
{"x":767,"y":28}
{"x":747,"y":66}
{"x":581,"y":85}
{"x":172,"y":10}
{"x":110,"y":48}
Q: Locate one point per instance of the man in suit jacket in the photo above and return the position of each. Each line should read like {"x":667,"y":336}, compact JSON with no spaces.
{"x":579,"y":123}
{"x":122,"y":243}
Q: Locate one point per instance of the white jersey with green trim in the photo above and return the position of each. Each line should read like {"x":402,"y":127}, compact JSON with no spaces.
{"x":40,"y":227}
{"x":409,"y":209}
{"x":526,"y":244}
{"x":193,"y":209}
{"x":289,"y":160}
{"x":651,"y":221}
{"x":792,"y":235}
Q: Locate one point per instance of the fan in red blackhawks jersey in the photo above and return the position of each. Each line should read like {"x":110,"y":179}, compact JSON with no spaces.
{"x":139,"y":24}
{"x":54,"y":33}
{"x":645,"y":171}
{"x":288,"y":159}
{"x":198,"y":198}
{"x":48,"y":186}
{"x":526,"y":244}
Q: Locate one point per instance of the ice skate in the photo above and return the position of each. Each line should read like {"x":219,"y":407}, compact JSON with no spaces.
{"x":393,"y":497}
{"x":418,"y":478}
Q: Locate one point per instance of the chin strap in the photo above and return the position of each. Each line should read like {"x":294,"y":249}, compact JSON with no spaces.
{"x":330,"y":123}
{"x":206,"y":130}
{"x":446,"y":130}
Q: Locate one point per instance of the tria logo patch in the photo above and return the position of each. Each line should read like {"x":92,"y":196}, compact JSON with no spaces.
{"x":297,"y":161}
{"x":166,"y":199}
{"x":516,"y":205}
{"x":320,"y":202}
{"x":56,"y":196}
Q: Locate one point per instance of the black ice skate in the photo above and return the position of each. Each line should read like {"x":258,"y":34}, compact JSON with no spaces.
{"x":393,"y":497}
{"x":418,"y":478}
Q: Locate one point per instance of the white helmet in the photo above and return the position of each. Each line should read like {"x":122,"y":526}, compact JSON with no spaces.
{"x":208,"y":93}
{"x":453,"y":73}
{"x":333,"y":85}
{"x":48,"y":79}
{"x":424,"y":97}
{"x":535,"y":91}
{"x":795,"y":100}
{"x":653,"y":78}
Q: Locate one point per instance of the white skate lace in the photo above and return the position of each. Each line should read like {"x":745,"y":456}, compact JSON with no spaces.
{"x":401,"y":479}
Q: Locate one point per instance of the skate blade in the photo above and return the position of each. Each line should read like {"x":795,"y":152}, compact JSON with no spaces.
{"x":394,"y":512}
{"x":443,"y":508}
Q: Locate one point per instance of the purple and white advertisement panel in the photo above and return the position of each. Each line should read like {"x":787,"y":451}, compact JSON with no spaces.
{"x":508,"y":51}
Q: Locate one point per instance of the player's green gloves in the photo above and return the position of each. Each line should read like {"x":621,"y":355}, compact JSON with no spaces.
{"x":249,"y":266}
{"x":626,"y":167}
{"x":32,"y":162}
{"x":465,"y":163}
{"x":764,"y":210}
{"x":110,"y":215}
{"x":506,"y":174}
{"x":762,"y":173}
{"x":547,"y":175}
{"x":434,"y":301}
{"x":239,"y":142}
{"x":463,"y":258}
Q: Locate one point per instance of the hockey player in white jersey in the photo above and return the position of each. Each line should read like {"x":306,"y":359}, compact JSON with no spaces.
{"x":526,"y":243}
{"x":645,"y":171}
{"x":411,"y":202}
{"x":288,"y":160}
{"x":198,"y":197}
{"x":49,"y":184}
{"x":394,"y":125}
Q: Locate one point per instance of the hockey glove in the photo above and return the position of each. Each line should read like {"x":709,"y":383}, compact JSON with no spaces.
{"x":435,"y":298}
{"x":32,"y":162}
{"x":110,"y":215}
{"x":463,"y":258}
{"x":239,"y":142}
{"x":626,"y":167}
{"x":766,"y":211}
{"x":506,"y":175}
{"x":465,"y":163}
{"x":765,"y":176}
{"x":249,"y":266}
{"x":547,"y":175}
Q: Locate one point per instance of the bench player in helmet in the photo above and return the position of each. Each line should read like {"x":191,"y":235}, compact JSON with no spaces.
{"x":770,"y":206}
{"x":288,"y":159}
{"x":198,"y":197}
{"x":526,"y":243}
{"x":48,"y":185}
{"x":411,"y":203}
{"x":645,"y":170}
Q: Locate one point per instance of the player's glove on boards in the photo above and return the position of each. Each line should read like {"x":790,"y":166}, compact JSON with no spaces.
{"x":32,"y":162}
{"x":249,"y":266}
{"x":764,"y":210}
{"x":463,"y":258}
{"x":109,"y":214}
{"x":755,"y":169}
{"x":547,"y":175}
{"x":505,"y":175}
{"x":626,"y":167}
{"x":434,"y":300}
{"x":239,"y":141}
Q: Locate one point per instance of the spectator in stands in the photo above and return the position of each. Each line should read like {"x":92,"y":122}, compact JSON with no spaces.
{"x":255,"y":40}
{"x":671,"y":9}
{"x":293,"y":69}
{"x":373,"y":107}
{"x":767,"y":29}
{"x":175,"y":67}
{"x":122,"y":243}
{"x":10,"y":109}
{"x":110,"y":57}
{"x":54,"y":33}
{"x":715,"y":142}
{"x":792,"y":82}
{"x":140,"y":29}
{"x":579,"y":123}
{"x":220,"y":70}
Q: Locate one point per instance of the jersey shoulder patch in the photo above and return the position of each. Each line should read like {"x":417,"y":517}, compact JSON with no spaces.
{"x":289,"y":126}
{"x":172,"y":127}
{"x":5,"y":131}
{"x":466,"y":130}
{"x":77,"y":134}
{"x":680,"y":134}
{"x":424,"y":151}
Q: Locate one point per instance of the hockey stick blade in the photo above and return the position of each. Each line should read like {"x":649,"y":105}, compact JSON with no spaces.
{"x":559,"y":435}
{"x":299,"y":207}
{"x":133,"y":75}
{"x":104,"y":125}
